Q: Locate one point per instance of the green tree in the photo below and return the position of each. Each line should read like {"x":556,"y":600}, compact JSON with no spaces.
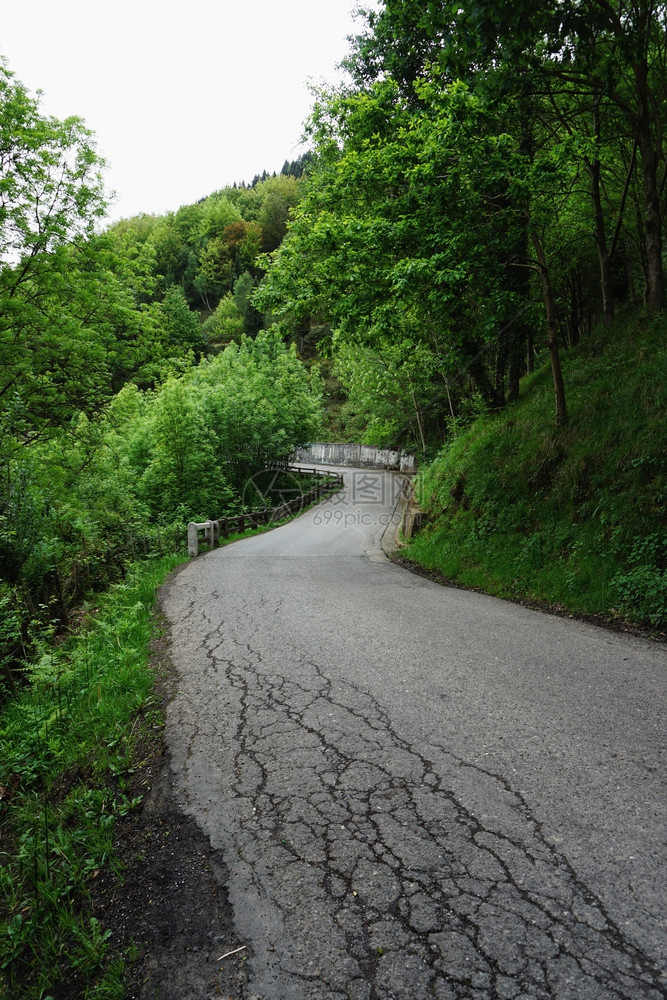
{"x":225,"y":324}
{"x":179,"y":325}
{"x":217,"y":213}
{"x":403,"y":231}
{"x":260,"y":404}
{"x":394,"y":385}
{"x":170,"y":253}
{"x":244,"y":287}
{"x":279,"y":196}
{"x":71,"y":330}
{"x":51,"y":198}
{"x":182,"y":478}
{"x":51,"y":187}
{"x":596,"y":62}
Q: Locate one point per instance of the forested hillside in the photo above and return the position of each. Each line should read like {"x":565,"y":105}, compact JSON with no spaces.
{"x":490,"y":186}
{"x":139,"y":388}
{"x":206,"y":257}
{"x":487,"y":195}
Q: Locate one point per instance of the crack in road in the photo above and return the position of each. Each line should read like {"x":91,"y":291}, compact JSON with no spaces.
{"x":358,"y":847}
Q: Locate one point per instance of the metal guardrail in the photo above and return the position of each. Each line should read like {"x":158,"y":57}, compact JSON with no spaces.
{"x":213,"y":530}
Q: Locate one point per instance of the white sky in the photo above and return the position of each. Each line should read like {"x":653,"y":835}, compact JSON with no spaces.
{"x":184,"y":98}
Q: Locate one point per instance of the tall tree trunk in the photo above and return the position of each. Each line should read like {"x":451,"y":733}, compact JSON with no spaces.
{"x":606,"y":285}
{"x":517,"y":349}
{"x":552,"y":332}
{"x":607,"y":252}
{"x":520,"y":345}
{"x":419,"y":422}
{"x":655,"y":295}
{"x":530,"y":353}
{"x":576,"y":310}
{"x":649,"y":137}
{"x":639,"y":36}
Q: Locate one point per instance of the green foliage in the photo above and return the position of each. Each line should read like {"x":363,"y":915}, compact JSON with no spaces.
{"x":244,"y":288}
{"x":216,"y":215}
{"x":50,"y":180}
{"x":70,"y":329}
{"x":642,"y":586}
{"x":225,"y":324}
{"x":93,"y":476}
{"x":280,"y":195}
{"x":67,"y":749}
{"x":178,"y":324}
{"x":486,"y":157}
{"x":392,"y":384}
{"x":408,"y":234}
{"x":79,"y":507}
{"x":11,"y":638}
{"x":525,"y":510}
{"x":181,"y":479}
{"x":260,"y":404}
{"x":203,"y":249}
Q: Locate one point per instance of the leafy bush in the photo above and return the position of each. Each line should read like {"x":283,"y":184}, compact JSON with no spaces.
{"x":82,"y":505}
{"x":642,"y":588}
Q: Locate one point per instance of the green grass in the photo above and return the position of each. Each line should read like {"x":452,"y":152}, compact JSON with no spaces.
{"x":67,"y":745}
{"x":571,"y":516}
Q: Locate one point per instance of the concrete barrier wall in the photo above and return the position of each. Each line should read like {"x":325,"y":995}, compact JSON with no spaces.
{"x":358,"y":455}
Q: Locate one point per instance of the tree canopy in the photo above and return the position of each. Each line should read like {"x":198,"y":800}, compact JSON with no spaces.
{"x":138,"y":388}
{"x":492,"y":180}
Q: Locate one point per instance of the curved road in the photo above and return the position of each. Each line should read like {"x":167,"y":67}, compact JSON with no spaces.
{"x":418,"y":791}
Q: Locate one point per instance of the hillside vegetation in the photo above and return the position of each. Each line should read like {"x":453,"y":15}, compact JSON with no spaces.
{"x":139,"y":388}
{"x":575,"y":515}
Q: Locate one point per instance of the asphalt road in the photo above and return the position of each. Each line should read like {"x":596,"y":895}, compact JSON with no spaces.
{"x":418,"y":791}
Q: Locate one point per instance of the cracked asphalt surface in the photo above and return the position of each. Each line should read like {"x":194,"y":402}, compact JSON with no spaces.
{"x":416,"y":792}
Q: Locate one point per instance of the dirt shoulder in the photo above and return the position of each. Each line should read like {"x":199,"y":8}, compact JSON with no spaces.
{"x":169,"y":900}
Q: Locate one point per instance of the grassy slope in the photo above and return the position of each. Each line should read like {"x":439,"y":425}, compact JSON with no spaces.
{"x":68,"y":745}
{"x":574,"y":516}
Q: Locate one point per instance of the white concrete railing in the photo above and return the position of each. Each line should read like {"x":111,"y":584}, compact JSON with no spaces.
{"x":359,"y":456}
